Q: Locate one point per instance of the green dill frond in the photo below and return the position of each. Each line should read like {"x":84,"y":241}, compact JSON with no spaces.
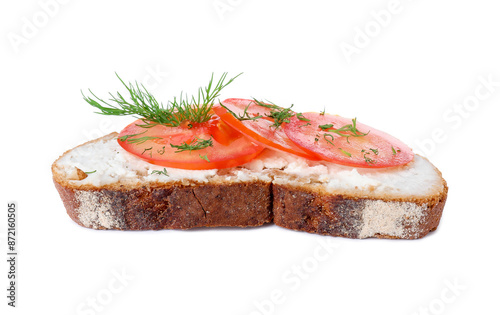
{"x":197,"y":144}
{"x":164,"y":172}
{"x":347,"y":131}
{"x":126,"y":137}
{"x":394,"y":151}
{"x":140,"y":140}
{"x":244,"y":116}
{"x":367,"y":158}
{"x":204,"y":157}
{"x":325,"y":126}
{"x":301,"y":116}
{"x":143,"y":105}
{"x":326,"y":136}
{"x":345,"y":152}
{"x":279,"y":114}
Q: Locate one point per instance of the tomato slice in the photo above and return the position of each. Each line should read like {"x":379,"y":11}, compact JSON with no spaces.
{"x":344,"y":141}
{"x":259,"y":130}
{"x":228,"y":148}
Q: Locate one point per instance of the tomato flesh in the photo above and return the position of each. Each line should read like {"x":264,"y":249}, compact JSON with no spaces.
{"x":375,"y":149}
{"x":259,"y":130}
{"x":228,"y":148}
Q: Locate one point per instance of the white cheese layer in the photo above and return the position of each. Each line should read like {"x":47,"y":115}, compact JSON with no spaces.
{"x":112,"y":165}
{"x":418,"y":178}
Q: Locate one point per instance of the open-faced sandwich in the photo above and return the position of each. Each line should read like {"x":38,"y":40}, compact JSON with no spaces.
{"x":200,"y":162}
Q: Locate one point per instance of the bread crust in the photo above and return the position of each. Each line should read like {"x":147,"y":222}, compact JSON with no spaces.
{"x":308,"y":207}
{"x":156,"y":207}
{"x":302,"y":209}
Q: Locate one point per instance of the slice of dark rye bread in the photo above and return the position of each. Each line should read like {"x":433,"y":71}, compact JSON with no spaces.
{"x":319,"y":197}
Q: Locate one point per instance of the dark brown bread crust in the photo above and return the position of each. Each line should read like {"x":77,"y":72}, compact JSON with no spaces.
{"x":242,"y":205}
{"x":176,"y":207}
{"x":336,"y":215}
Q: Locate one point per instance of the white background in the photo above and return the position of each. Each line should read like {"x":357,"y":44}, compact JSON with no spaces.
{"x":411,"y":67}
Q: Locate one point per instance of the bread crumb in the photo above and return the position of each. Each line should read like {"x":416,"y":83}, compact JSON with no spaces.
{"x":81,"y":174}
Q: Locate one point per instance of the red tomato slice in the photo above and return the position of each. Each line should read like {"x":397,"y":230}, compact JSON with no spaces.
{"x":260,"y":130}
{"x":153,"y":144}
{"x":375,"y":149}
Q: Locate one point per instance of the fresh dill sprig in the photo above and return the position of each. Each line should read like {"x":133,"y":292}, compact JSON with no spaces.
{"x":301,"y":116}
{"x":164,"y":172}
{"x":244,"y":116}
{"x":204,"y":157}
{"x":345,"y":152}
{"x":150,"y":149}
{"x":367,"y":158}
{"x":279,"y":114}
{"x":197,"y":144}
{"x":347,"y":131}
{"x":351,"y":128}
{"x":281,"y":117}
{"x":394,"y":151}
{"x":143,"y":105}
{"x":325,"y":126}
{"x":331,"y":137}
{"x":126,"y":137}
{"x":141,"y":140}
{"x":197,"y":110}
